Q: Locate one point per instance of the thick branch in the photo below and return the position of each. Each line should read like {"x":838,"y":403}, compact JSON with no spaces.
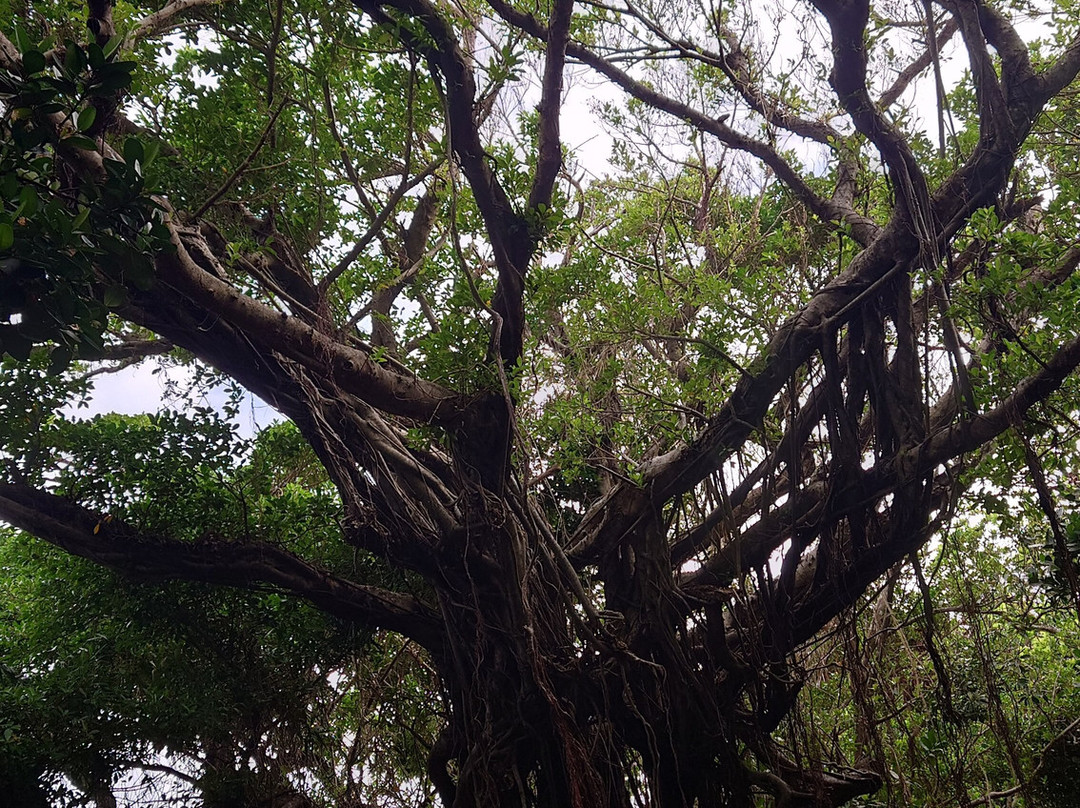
{"x":163,"y":19}
{"x":995,"y":122}
{"x":847,"y":21}
{"x":549,"y":157}
{"x":1059,"y":75}
{"x":1016,"y":67}
{"x":353,"y":369}
{"x":115,"y":544}
{"x":511,"y":242}
{"x":136,"y":349}
{"x":100,"y":20}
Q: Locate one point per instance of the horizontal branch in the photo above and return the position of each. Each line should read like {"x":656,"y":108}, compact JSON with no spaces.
{"x":948,"y":442}
{"x":136,"y":349}
{"x":164,"y":18}
{"x":113,"y":543}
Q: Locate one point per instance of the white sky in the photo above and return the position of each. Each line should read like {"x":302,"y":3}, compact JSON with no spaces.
{"x":138,"y":389}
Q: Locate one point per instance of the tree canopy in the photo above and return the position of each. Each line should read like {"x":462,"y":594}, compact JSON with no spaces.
{"x":737,"y":468}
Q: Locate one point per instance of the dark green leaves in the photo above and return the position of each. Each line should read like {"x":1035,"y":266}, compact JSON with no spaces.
{"x":115,"y":296}
{"x":69,"y":245}
{"x":33,"y":62}
{"x":85,"y":118}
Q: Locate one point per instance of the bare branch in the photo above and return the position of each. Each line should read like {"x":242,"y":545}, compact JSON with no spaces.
{"x":161,"y":20}
{"x":908,"y":74}
{"x":734,"y":63}
{"x":137,"y":349}
{"x":549,"y":145}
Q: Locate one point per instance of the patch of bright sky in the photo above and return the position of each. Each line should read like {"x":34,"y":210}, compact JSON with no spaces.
{"x":150,"y":387}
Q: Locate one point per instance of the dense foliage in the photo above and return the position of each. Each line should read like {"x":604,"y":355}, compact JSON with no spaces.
{"x":735,"y":466}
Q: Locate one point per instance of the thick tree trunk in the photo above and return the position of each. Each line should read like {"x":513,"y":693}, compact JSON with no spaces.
{"x":547,"y":709}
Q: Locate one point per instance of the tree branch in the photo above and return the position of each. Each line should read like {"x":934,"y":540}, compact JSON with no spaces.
{"x":908,"y":74}
{"x":136,"y":349}
{"x":995,"y":120}
{"x":549,"y":145}
{"x":160,"y":20}
{"x":508,"y":232}
{"x":847,"y":22}
{"x":113,"y":543}
{"x":353,"y":369}
{"x":862,"y":228}
{"x":240,"y":169}
{"x":733,"y":62}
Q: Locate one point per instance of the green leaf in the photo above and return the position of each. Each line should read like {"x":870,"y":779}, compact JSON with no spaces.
{"x":74,"y":59}
{"x":7,"y":236}
{"x":133,"y":151}
{"x":21,"y":38}
{"x":95,"y":55}
{"x":113,"y":45}
{"x":80,"y":218}
{"x":112,"y":82}
{"x":86,"y":118}
{"x":115,"y":296}
{"x":59,"y":360}
{"x":80,"y":142}
{"x":140,"y":272}
{"x":150,"y":152}
{"x":9,"y":185}
{"x":33,"y":62}
{"x":28,"y":201}
{"x":113,"y":76}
